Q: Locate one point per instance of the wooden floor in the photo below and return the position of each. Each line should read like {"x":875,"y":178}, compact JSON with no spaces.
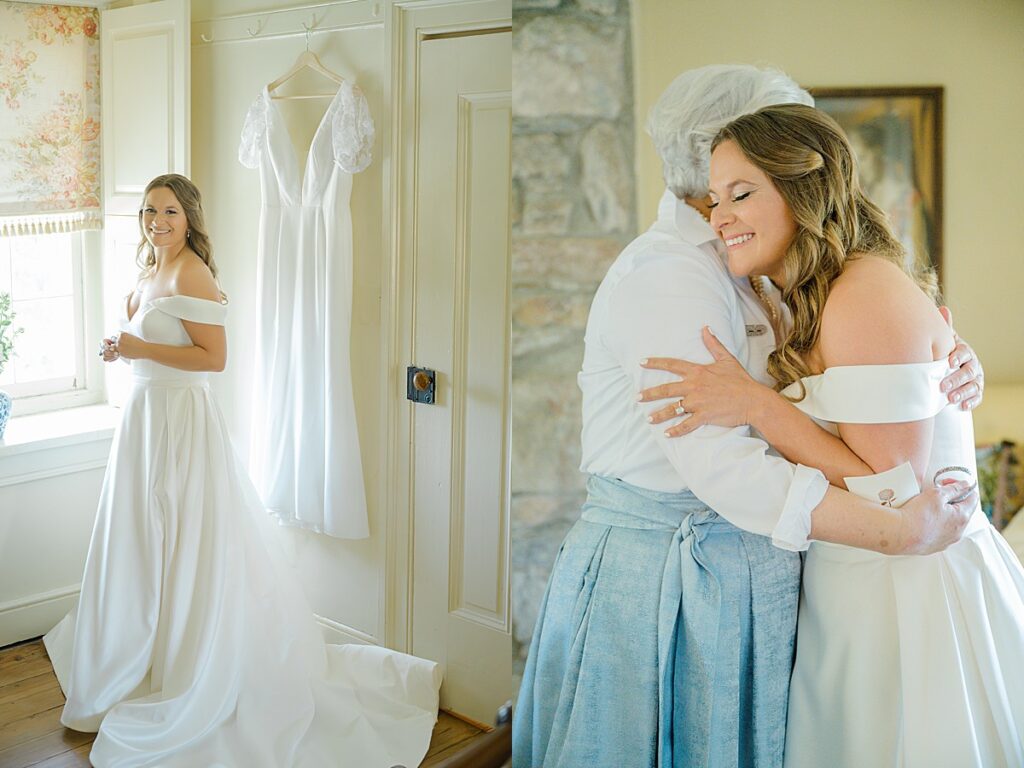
{"x":31,"y":702}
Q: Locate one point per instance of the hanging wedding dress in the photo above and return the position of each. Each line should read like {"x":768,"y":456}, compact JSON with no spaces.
{"x":192,"y":645}
{"x":913,"y":661}
{"x":305,"y":457}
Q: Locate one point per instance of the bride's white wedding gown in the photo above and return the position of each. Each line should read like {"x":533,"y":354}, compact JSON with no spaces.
{"x":192,"y":645}
{"x":908,"y":662}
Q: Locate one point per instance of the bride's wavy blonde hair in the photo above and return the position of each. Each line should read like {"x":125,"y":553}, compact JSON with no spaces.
{"x":809,"y":160}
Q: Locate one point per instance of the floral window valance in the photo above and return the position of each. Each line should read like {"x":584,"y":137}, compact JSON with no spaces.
{"x":49,"y":119}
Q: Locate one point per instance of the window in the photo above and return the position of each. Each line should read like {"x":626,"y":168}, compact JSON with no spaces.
{"x":50,"y":211}
{"x":44,"y":276}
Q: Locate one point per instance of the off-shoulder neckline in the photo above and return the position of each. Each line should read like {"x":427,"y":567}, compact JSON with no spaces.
{"x":844,"y":394}
{"x":153,"y":302}
{"x":220,"y":302}
{"x":878,"y":366}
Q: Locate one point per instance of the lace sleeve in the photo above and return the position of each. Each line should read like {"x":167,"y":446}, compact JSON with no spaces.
{"x":352,"y":130}
{"x":253,"y":131}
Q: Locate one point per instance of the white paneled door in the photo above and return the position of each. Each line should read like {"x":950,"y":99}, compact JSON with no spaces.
{"x":144,"y":90}
{"x":144,"y":71}
{"x":460,"y":462}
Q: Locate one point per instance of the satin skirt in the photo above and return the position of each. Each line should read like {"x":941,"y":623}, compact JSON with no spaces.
{"x":192,"y":644}
{"x":910,"y":662}
{"x":665,"y":638}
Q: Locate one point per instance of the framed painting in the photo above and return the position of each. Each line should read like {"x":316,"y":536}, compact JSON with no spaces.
{"x":896,"y":134}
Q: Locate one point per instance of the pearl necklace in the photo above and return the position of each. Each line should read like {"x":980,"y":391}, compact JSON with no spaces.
{"x":757,"y":283}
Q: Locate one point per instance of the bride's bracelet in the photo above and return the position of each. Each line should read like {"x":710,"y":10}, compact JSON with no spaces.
{"x":950,"y":471}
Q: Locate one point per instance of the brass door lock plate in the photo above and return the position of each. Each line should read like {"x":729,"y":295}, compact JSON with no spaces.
{"x":419,"y":384}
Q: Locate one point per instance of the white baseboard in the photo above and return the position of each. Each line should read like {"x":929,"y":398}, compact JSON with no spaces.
{"x":35,"y":615}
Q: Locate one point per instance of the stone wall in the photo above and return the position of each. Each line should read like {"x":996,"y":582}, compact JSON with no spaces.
{"x":574,"y":208}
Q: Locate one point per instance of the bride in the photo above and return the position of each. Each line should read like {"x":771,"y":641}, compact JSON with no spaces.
{"x":192,"y":644}
{"x":907,"y":661}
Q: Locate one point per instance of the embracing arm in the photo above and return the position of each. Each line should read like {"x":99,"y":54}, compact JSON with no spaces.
{"x":730,"y":470}
{"x":926,"y":524}
{"x":876,"y":315}
{"x":724,"y":393}
{"x":208,"y":351}
{"x":795,"y":435}
{"x":660,"y":309}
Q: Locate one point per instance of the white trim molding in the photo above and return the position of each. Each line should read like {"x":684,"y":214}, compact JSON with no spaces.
{"x":35,"y":615}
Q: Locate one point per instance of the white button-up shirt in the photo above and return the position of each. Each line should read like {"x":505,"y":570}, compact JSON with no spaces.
{"x":658,"y":294}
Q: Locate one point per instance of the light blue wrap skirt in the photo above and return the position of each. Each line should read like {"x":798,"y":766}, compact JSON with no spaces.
{"x":665,"y":638}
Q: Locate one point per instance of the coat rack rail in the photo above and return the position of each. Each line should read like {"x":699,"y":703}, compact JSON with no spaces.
{"x":288,"y":23}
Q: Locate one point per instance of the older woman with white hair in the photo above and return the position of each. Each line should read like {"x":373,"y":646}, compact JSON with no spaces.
{"x":666,"y":633}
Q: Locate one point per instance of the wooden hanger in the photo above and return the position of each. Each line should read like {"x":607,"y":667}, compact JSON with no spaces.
{"x":307,"y":60}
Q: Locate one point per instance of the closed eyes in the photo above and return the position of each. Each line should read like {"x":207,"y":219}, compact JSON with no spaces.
{"x":738,"y":198}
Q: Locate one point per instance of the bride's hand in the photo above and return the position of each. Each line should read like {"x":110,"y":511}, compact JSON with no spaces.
{"x":934,"y":519}
{"x":720,"y":393}
{"x":108,"y":351}
{"x":129,"y":347}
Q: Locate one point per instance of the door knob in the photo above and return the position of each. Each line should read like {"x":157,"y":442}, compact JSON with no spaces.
{"x":419,"y":384}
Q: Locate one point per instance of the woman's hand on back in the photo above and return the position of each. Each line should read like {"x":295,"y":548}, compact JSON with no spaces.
{"x":720,"y":393}
{"x":966,"y":384}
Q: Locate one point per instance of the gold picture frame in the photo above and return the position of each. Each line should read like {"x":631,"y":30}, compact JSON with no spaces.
{"x":896,"y":133}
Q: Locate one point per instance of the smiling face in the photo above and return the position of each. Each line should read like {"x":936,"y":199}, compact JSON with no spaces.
{"x":163,"y":220}
{"x":749,"y":214}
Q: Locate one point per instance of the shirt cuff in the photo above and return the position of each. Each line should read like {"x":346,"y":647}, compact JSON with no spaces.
{"x":793,"y":530}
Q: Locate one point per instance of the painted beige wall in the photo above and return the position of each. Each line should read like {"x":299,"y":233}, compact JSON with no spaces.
{"x":344,"y":580}
{"x":975,"y":50}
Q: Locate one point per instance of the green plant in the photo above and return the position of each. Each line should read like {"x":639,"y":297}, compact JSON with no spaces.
{"x":1000,"y":481}
{"x":988,"y":475}
{"x":7,"y":334}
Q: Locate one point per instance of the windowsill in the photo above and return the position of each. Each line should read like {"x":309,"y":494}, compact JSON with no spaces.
{"x":57,"y":429}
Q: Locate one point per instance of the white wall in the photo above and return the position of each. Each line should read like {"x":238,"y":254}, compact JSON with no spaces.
{"x":343,"y":579}
{"x":47,"y":508}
